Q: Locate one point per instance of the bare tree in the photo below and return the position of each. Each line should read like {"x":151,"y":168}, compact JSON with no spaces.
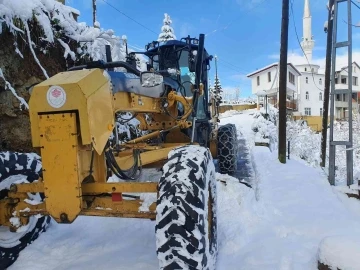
{"x":237,"y":93}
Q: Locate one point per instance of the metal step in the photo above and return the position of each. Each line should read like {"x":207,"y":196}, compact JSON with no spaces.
{"x":342,"y":44}
{"x":340,"y":143}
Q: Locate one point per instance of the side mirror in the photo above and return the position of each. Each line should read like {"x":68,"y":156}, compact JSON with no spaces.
{"x":150,"y":79}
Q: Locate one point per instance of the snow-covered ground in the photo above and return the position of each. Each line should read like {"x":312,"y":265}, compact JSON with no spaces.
{"x":278,"y":224}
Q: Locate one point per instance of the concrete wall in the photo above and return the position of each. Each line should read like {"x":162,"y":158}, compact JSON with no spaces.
{"x":314,"y":122}
{"x":241,"y":107}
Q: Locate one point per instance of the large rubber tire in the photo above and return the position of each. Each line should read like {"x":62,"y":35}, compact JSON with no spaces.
{"x":186,"y":236}
{"x":227,"y":148}
{"x":12,"y":164}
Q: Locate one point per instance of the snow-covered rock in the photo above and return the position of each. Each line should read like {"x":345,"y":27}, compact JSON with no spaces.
{"x":340,"y":252}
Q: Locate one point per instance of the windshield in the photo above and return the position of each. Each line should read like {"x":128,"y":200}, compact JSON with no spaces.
{"x":187,"y":78}
{"x":170,"y":59}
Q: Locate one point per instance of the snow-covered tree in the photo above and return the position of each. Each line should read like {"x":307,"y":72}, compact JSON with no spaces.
{"x":167,"y":32}
{"x":217,"y":88}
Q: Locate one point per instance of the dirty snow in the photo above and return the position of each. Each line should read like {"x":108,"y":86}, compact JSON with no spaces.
{"x":148,"y":199}
{"x":280,"y":223}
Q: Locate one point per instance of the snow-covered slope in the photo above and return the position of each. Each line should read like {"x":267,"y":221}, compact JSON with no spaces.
{"x":278,"y":224}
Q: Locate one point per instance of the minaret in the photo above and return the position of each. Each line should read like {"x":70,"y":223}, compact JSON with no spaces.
{"x":307,"y":41}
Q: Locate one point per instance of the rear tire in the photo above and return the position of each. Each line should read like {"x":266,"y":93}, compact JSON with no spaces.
{"x":12,"y":164}
{"x":227,"y":148}
{"x":186,"y":236}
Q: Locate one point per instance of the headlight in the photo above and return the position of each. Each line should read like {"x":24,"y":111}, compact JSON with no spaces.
{"x":151,"y":79}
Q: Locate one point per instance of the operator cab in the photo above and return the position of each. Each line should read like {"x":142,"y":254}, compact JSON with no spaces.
{"x":176,"y":60}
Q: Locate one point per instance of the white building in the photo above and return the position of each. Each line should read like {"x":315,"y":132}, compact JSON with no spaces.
{"x":307,"y":91}
{"x":342,"y":82}
{"x":311,"y":90}
{"x":265,"y":81}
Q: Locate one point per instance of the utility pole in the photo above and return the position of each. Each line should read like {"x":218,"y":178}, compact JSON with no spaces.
{"x":94,"y":12}
{"x":283,"y":80}
{"x":327,"y":85}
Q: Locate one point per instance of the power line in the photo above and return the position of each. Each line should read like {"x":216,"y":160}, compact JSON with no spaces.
{"x":355,"y":4}
{"x":230,"y":64}
{"x":232,"y":68}
{"x":297,"y":37}
{"x":129,"y":17}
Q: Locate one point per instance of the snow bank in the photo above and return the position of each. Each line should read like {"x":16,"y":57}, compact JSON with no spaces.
{"x":304,"y":143}
{"x":235,"y":202}
{"x":340,"y":252}
{"x":229,"y":113}
{"x":301,"y":210}
{"x":264,"y":126}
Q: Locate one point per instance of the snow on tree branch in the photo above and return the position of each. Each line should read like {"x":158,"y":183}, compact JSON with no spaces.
{"x":68,"y":51}
{"x":57,"y":22}
{"x":167,"y":32}
{"x":33,"y":52}
{"x":9,"y":86}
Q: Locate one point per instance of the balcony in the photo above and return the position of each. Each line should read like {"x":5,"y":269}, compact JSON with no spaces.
{"x":290,"y":104}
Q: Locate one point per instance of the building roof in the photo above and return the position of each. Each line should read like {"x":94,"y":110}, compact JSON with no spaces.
{"x":306,"y":64}
{"x":270,"y":66}
{"x":343,"y":68}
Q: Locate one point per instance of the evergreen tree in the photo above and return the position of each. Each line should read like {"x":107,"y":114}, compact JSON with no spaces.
{"x":217,"y":89}
{"x":167,"y":32}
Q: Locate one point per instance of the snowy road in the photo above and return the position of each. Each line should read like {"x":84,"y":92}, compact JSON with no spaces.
{"x":278,"y":224}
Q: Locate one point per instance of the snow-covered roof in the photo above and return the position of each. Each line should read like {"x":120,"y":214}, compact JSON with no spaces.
{"x":270,"y":66}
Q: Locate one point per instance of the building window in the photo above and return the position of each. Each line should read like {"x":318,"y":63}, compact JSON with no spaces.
{"x":307,"y":80}
{"x":338,"y":97}
{"x":291,"y":78}
{"x":312,"y":69}
{"x":307,"y":95}
{"x":305,"y":69}
{"x":343,"y":80}
{"x":354,"y":68}
{"x":258,"y":80}
{"x":336,"y":81}
{"x":320,"y":96}
{"x":321,"y":110}
{"x":320,"y":81}
{"x":355,"y":80}
{"x":269,"y":76}
{"x":307,"y":111}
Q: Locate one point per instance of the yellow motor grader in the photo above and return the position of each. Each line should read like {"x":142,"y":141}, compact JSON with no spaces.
{"x":74,"y":123}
